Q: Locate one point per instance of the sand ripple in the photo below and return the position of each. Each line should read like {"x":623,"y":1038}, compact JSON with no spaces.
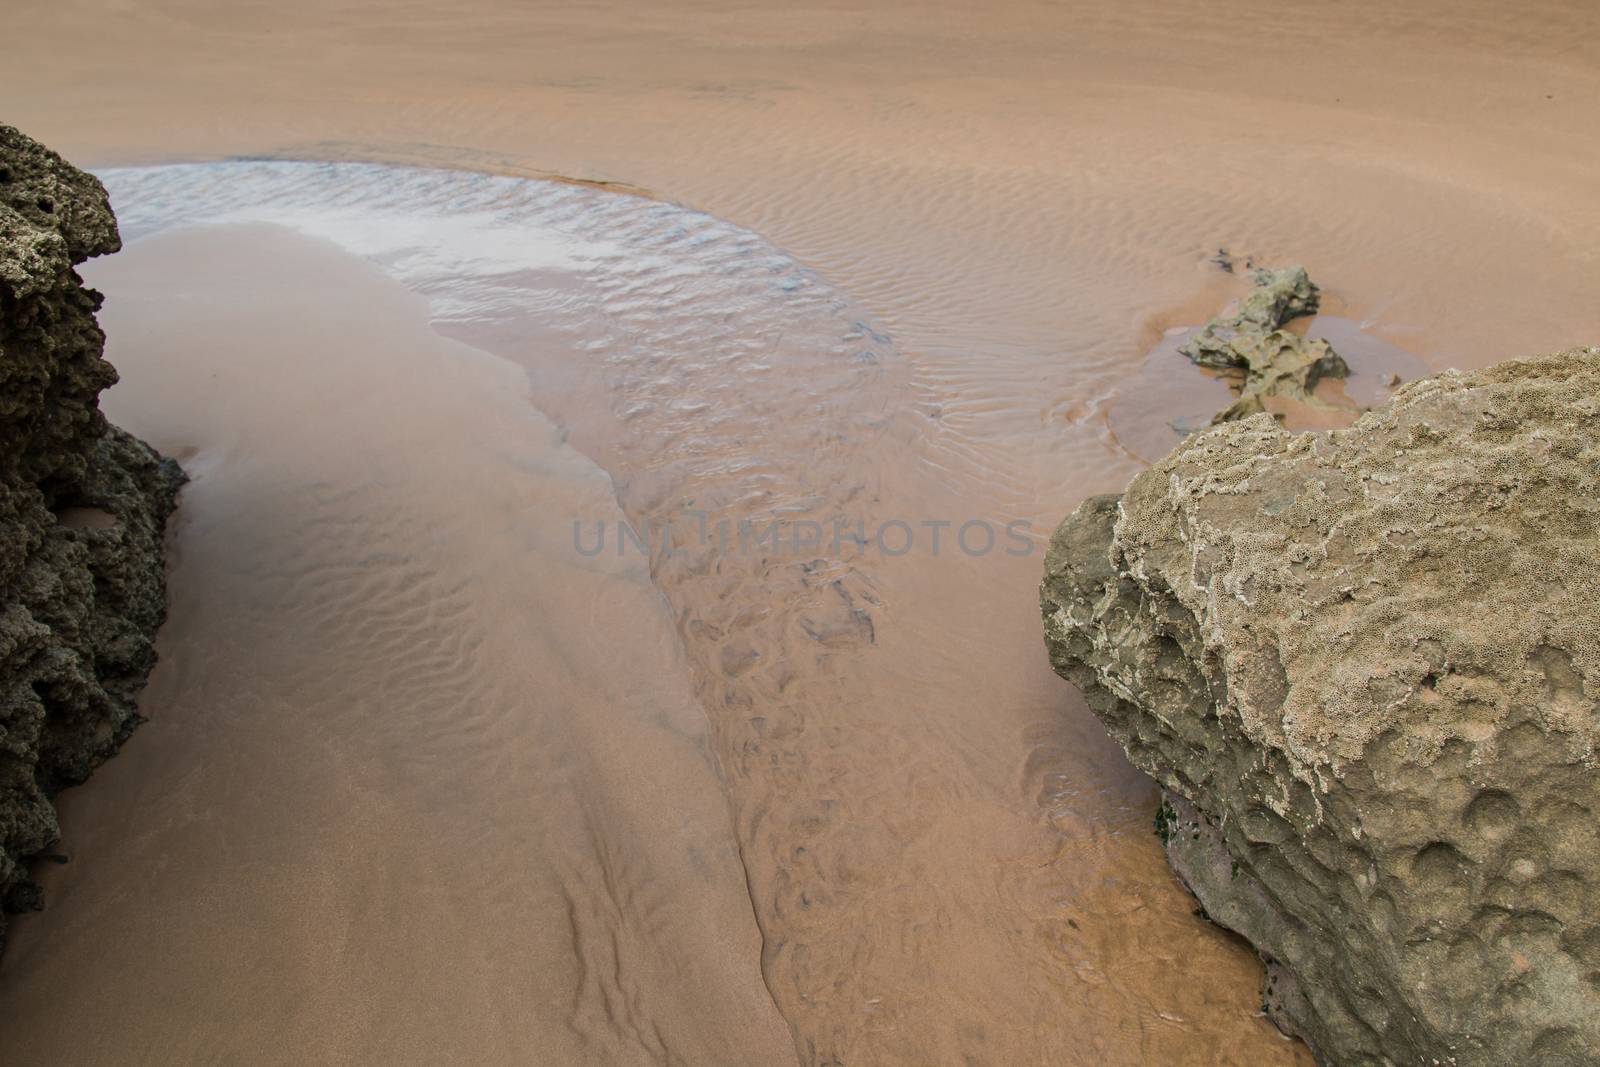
{"x":939,"y":865}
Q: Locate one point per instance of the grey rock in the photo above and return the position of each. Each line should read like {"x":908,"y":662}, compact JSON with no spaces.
{"x":1275,"y":362}
{"x":1364,"y":667}
{"x":82,"y":507}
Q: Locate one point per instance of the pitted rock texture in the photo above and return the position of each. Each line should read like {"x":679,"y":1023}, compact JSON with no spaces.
{"x":1364,"y":665}
{"x":1274,"y":361}
{"x":82,"y":506}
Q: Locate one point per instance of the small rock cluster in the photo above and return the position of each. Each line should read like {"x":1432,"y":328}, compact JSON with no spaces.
{"x":1275,"y":362}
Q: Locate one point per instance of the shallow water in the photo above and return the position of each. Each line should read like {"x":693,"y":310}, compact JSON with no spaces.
{"x":420,"y":784}
{"x":1168,"y":397}
{"x":795,"y":785}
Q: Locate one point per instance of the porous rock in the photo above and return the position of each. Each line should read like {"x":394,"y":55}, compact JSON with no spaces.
{"x":1364,"y":667}
{"x":1274,"y":361}
{"x":82,"y":507}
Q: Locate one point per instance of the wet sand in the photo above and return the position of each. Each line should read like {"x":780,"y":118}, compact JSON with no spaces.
{"x":943,"y":859}
{"x":420,"y":784}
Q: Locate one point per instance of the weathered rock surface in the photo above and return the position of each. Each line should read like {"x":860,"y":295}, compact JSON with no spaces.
{"x":1275,"y":362}
{"x":1364,"y":665}
{"x":82,"y":506}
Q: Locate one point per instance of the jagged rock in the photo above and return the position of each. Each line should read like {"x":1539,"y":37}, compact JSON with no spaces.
{"x":1274,"y":361}
{"x":1364,"y":665}
{"x":82,"y":506}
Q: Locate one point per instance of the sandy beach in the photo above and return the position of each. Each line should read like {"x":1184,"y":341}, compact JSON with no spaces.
{"x":424,"y":782}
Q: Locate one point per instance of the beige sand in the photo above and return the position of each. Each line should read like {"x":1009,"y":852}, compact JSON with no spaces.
{"x":947,"y":861}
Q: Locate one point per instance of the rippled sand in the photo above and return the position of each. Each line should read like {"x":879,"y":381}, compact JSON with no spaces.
{"x":395,"y":733}
{"x":420,"y":784}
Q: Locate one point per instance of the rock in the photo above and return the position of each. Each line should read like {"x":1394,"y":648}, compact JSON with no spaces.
{"x":1274,"y":361}
{"x":82,"y":507}
{"x":1364,"y":666}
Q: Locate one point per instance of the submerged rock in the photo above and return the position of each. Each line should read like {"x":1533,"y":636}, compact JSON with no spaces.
{"x":1364,"y":666}
{"x":82,"y":506}
{"x":1274,"y":361}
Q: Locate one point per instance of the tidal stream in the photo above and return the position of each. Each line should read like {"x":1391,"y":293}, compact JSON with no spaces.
{"x":587,"y":646}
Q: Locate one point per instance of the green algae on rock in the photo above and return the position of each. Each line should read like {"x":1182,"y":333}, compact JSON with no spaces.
{"x":1275,"y":362}
{"x":1364,"y":667}
{"x":82,"y":509}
